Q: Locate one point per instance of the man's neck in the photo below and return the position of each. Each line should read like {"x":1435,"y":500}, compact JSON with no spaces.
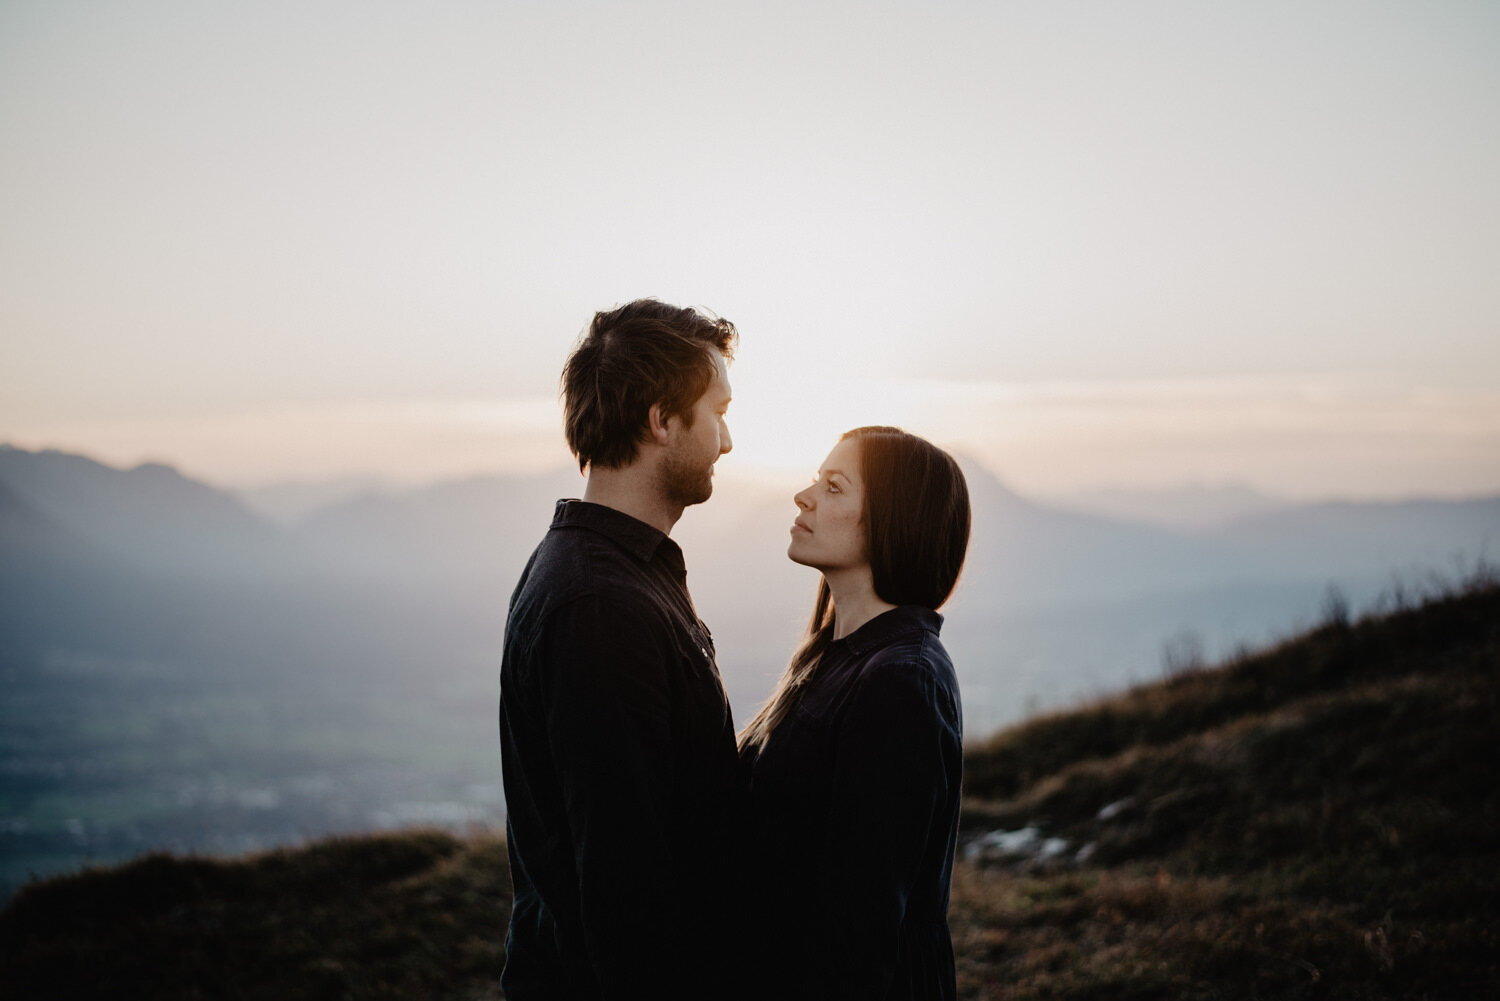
{"x":632,"y":491}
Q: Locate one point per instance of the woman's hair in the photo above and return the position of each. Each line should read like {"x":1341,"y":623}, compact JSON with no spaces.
{"x":916,"y":526}
{"x":633,"y":357}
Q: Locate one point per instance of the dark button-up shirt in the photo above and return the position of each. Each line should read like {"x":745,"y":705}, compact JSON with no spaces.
{"x":620,"y":769}
{"x":854,"y":818}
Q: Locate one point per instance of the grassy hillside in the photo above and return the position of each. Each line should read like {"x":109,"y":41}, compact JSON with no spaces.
{"x":1317,"y":820}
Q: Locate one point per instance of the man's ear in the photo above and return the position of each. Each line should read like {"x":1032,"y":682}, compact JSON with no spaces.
{"x":658,"y":422}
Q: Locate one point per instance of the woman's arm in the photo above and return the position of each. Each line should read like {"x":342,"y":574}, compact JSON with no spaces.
{"x":890,"y":778}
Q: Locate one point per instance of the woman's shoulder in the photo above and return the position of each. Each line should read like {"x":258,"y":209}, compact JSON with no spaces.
{"x":913,"y":662}
{"x":907,"y":684}
{"x":918,"y":649}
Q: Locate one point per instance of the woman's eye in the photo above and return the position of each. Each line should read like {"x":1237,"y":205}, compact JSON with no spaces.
{"x":833,"y":489}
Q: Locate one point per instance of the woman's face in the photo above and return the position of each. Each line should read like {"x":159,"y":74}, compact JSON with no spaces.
{"x":829,"y":534}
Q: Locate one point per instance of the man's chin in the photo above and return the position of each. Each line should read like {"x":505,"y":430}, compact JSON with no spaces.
{"x":687,"y":498}
{"x":686,"y":490}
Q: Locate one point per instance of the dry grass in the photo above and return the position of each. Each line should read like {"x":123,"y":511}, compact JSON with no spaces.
{"x":1130,"y":933}
{"x":414,"y":915}
{"x":1315,"y":821}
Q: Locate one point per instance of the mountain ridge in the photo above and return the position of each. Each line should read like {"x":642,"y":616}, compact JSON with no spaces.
{"x":368,"y":642}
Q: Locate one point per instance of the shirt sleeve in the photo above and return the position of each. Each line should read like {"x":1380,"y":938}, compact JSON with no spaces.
{"x":889,"y":777}
{"x":609,"y":726}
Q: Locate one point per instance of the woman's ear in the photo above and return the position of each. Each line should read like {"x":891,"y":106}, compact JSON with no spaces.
{"x":657,"y":421}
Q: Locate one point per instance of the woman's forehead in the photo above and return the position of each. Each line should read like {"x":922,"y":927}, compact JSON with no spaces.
{"x":843,"y":460}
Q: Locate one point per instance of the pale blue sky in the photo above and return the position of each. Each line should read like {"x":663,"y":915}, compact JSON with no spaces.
{"x":1090,"y":243}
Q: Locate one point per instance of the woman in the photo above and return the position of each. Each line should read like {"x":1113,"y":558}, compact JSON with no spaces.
{"x":854,"y":764}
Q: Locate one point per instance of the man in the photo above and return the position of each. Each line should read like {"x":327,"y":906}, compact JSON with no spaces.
{"x":616,"y":736}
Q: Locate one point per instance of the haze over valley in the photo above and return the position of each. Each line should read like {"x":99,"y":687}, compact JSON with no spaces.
{"x":185,"y":670}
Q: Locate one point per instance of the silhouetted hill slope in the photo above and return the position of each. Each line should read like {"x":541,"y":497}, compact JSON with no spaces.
{"x":23,"y":529}
{"x":147,"y":565}
{"x":150,"y":515}
{"x":417,"y":915}
{"x":58,"y":586}
{"x":1313,"y":821}
{"x":1442,"y":636}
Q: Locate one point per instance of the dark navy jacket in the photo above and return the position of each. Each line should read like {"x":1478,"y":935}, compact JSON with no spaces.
{"x":854,"y":819}
{"x":621,"y":775}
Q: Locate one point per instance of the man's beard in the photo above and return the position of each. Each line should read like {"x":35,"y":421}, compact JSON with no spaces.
{"x":686,"y":482}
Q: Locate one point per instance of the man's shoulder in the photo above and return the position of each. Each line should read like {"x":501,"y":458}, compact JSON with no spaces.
{"x":566,"y":545}
{"x":572,"y":565}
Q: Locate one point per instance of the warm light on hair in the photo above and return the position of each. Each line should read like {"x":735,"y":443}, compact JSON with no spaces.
{"x":916,"y":520}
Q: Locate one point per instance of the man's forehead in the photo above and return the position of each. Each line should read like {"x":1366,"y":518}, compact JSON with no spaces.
{"x":719,"y":387}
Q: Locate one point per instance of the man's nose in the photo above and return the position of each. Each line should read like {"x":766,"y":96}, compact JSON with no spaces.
{"x":725,"y":442}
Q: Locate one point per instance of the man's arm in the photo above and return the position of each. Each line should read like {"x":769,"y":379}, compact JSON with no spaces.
{"x":608,"y":701}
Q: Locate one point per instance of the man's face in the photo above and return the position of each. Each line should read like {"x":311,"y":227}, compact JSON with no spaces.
{"x":688,"y":471}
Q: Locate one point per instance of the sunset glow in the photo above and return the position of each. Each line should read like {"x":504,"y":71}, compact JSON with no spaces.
{"x":1131,"y":245}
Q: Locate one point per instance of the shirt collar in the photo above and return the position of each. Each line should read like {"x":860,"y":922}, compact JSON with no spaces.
{"x":890,"y":626}
{"x":631,"y":534}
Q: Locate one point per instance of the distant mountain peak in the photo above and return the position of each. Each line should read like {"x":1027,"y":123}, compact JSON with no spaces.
{"x":152,"y":468}
{"x":1192,"y":504}
{"x":151,"y":514}
{"x":986,"y":488}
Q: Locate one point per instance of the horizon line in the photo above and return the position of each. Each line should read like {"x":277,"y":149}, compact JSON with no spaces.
{"x":371,"y":479}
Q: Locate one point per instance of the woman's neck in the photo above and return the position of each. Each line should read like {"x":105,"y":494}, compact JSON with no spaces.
{"x":854,"y":600}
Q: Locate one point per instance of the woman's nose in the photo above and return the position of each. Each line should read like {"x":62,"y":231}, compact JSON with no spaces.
{"x":800,"y":499}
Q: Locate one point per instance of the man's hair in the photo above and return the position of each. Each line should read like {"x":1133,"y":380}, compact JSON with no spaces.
{"x":632,"y":357}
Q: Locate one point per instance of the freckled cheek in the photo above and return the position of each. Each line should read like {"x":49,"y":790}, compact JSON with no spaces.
{"x":852,"y":537}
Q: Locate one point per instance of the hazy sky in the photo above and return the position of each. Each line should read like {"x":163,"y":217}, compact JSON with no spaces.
{"x":1088,"y":243}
